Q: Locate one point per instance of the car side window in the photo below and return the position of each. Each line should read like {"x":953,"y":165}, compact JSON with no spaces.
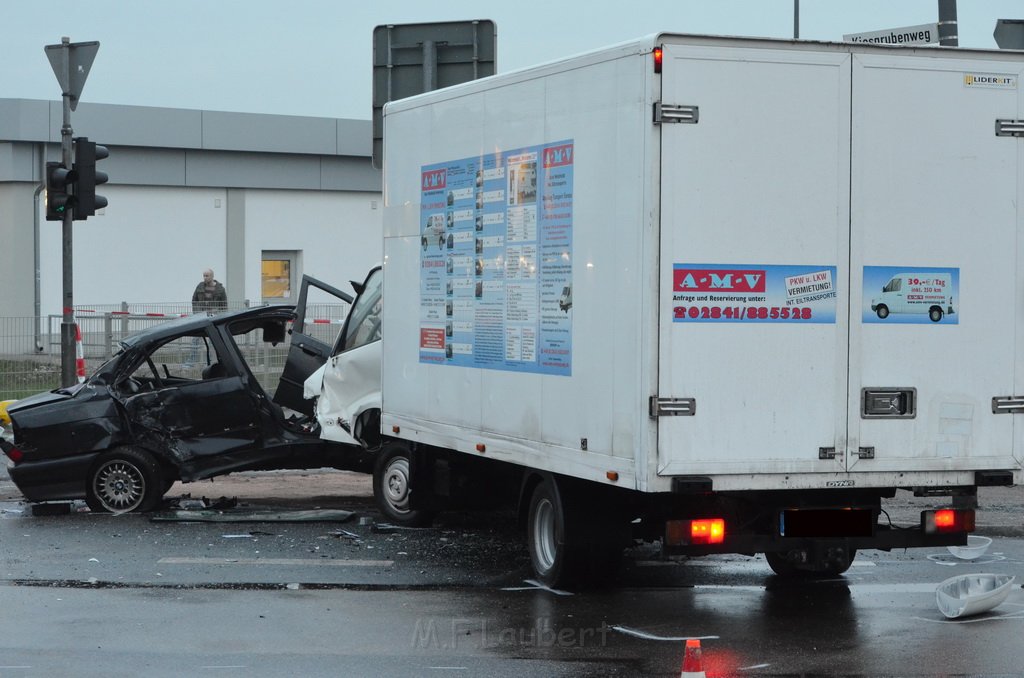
{"x":179,"y":360}
{"x":365,"y":317}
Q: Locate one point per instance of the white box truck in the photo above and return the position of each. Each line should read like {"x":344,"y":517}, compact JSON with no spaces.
{"x":725,"y":211}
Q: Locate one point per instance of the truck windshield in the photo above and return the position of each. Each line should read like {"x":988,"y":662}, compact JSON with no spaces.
{"x":364,"y":319}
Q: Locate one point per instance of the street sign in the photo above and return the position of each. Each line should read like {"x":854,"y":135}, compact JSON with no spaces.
{"x":411,"y":59}
{"x":925,"y":34}
{"x":79,"y":57}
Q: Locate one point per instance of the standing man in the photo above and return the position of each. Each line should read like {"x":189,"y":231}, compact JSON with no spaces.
{"x":210,"y":295}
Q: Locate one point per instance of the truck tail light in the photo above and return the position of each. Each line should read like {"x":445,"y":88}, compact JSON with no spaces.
{"x":658,"y":54}
{"x":947,"y":520}
{"x":702,"y":531}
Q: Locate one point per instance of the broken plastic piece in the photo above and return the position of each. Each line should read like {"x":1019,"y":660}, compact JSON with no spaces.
{"x":970,"y":594}
{"x":976,"y":547}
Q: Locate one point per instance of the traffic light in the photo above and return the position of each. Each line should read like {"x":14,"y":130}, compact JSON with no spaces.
{"x":58,"y":187}
{"x":85,"y":178}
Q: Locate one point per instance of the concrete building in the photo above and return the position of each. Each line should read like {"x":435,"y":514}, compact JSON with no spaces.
{"x":261,"y":199}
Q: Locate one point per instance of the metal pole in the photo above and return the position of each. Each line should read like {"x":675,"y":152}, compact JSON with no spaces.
{"x":796,"y":19}
{"x":947,"y":24}
{"x":37,"y":308}
{"x":67,"y":325}
{"x":429,"y":65}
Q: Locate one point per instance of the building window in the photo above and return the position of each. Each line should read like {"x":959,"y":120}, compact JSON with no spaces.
{"x":277,"y":275}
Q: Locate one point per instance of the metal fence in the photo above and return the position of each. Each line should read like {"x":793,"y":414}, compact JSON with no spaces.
{"x":30,"y":347}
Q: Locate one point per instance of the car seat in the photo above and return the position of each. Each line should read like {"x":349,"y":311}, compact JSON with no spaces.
{"x":215,"y":371}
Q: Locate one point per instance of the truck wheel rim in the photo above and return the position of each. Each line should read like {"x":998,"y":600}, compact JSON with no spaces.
{"x":544,"y":535}
{"x":119,"y":486}
{"x":396,"y":485}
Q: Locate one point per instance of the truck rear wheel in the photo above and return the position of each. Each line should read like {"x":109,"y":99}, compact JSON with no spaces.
{"x":784,"y":564}
{"x":552,"y":559}
{"x":935,"y":314}
{"x":392,"y":488}
{"x":572,"y":539}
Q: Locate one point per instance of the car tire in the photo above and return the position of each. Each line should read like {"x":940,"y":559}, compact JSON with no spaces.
{"x":124,"y":480}
{"x":392,"y":490}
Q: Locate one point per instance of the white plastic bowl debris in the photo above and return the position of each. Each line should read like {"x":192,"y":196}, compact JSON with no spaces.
{"x":969,"y":594}
{"x":976,"y":547}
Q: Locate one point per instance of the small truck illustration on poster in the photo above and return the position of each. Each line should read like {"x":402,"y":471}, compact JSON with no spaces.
{"x":920,"y":295}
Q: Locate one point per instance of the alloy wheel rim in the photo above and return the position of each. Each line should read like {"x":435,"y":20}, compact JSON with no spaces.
{"x":120,"y":486}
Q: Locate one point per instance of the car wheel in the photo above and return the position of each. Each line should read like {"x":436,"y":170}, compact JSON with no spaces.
{"x":392,"y":489}
{"x":935,"y":314}
{"x":883,"y":312}
{"x":124,"y":480}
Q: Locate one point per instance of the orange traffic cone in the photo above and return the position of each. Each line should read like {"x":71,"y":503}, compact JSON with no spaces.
{"x":693,"y":667}
{"x":79,"y":355}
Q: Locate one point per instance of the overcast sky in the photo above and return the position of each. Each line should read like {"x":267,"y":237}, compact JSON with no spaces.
{"x":313,"y":57}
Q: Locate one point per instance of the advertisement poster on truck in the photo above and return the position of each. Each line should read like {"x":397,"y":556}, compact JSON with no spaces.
{"x":745,"y":293}
{"x":496,"y":260}
{"x":902,"y":295}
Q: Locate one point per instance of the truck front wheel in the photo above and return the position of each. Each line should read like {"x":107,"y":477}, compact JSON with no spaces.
{"x":882,"y":311}
{"x":392,"y":488}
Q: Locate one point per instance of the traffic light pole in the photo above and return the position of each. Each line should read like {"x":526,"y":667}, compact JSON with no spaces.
{"x":67,"y":325}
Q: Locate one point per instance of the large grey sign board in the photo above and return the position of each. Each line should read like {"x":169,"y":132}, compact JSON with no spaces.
{"x":410,"y":59}
{"x":1009,"y":33}
{"x":80,"y":56}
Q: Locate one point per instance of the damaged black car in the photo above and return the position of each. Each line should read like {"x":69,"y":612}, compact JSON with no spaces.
{"x":181,"y":401}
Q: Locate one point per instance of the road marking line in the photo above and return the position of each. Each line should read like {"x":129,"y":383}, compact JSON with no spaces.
{"x":650,"y":636}
{"x":755,"y":666}
{"x":320,"y":562}
{"x":535,"y":585}
{"x":1011,"y":615}
{"x":728,"y":564}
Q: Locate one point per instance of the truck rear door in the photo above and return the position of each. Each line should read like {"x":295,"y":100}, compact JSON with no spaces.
{"x":936,"y":199}
{"x":754,"y":246}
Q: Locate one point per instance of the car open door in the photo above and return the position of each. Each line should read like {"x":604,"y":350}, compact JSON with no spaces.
{"x":311,"y":342}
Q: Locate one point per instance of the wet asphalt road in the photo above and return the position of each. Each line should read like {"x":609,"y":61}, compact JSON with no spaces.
{"x":84,"y":594}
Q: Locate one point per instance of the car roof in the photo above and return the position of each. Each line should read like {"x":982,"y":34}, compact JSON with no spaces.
{"x":197,"y":321}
